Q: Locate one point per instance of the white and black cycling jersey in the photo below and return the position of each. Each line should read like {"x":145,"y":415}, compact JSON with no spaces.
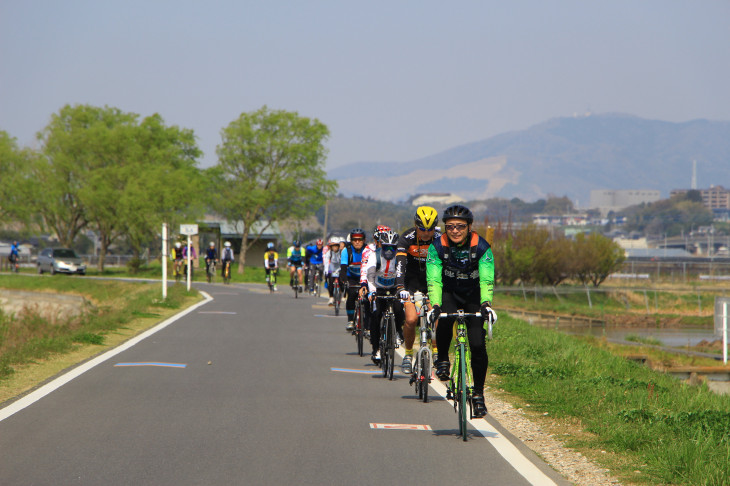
{"x":378,"y":272}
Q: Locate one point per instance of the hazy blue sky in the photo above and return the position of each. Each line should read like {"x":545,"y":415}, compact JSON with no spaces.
{"x":393,"y":80}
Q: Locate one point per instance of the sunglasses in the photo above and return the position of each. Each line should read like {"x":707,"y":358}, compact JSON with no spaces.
{"x":455,"y":227}
{"x":388,"y":248}
{"x":425,"y":229}
{"x":358,"y":239}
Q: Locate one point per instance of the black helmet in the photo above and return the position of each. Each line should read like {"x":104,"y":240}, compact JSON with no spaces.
{"x":296,"y":243}
{"x":357,"y":232}
{"x":458,"y":211}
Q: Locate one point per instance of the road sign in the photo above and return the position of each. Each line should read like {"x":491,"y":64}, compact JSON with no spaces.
{"x":189,"y":229}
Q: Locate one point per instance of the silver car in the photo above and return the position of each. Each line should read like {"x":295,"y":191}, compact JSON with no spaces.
{"x":60,"y":260}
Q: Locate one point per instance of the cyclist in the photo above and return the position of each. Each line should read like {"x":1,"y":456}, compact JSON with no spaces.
{"x":294,"y":261}
{"x":13,"y":257}
{"x":177,"y":258}
{"x":379,"y":273}
{"x":370,"y":247}
{"x":226,"y":257}
{"x":193,"y":256}
{"x":331,"y":260}
{"x":271,"y":263}
{"x":315,"y":262}
{"x":211,"y":256}
{"x":460,"y":275}
{"x":411,"y":268}
{"x":350,"y":264}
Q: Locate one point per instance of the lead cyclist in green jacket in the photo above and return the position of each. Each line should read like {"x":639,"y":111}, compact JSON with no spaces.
{"x":460,"y":275}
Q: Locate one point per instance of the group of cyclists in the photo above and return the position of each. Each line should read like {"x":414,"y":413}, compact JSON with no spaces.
{"x":179,"y":256}
{"x":454,"y":268}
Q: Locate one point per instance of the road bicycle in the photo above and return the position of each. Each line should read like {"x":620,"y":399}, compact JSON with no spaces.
{"x":388,"y":342}
{"x":461,"y":385}
{"x":314,"y":279}
{"x":296,"y":282}
{"x":421,"y":376}
{"x":359,"y":321}
{"x":210,"y":274}
{"x":227,"y":272}
{"x":271,"y":279}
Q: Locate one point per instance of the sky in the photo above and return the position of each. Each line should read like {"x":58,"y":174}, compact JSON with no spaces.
{"x":392,"y":80}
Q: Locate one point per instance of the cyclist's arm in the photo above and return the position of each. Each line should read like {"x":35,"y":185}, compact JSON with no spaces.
{"x":434,"y":276}
{"x":486,"y":276}
{"x":276,"y":259}
{"x":401,"y":258}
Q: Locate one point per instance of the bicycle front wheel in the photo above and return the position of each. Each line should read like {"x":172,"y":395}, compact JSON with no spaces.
{"x":391,"y":346}
{"x":424,"y":373}
{"x":462,"y":395}
{"x":359,"y":331}
{"x":336,"y":296}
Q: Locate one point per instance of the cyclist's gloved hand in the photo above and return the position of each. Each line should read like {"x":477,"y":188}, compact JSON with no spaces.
{"x":434,"y":313}
{"x":405,"y":295}
{"x":488,"y":313}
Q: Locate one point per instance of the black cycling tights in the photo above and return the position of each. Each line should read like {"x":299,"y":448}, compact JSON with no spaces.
{"x":475,"y":332}
{"x":352,"y":293}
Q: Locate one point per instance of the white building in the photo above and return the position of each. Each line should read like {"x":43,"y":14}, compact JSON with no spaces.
{"x":607,"y":200}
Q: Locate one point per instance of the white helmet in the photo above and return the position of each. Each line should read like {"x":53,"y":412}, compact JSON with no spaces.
{"x":227,"y":244}
{"x":212,"y":244}
{"x":177,"y":244}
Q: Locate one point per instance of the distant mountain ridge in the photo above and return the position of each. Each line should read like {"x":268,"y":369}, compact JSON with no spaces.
{"x":563,"y":156}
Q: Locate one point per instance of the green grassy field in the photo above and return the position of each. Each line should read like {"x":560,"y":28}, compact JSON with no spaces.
{"x":654,"y":429}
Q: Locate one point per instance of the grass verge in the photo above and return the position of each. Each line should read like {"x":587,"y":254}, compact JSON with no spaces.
{"x":646,"y":427}
{"x":34,"y":348}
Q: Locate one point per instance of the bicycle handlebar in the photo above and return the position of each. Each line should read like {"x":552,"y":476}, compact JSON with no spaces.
{"x":457,"y":314}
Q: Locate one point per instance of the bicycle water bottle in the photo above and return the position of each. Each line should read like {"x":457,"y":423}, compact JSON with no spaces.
{"x":418,"y":301}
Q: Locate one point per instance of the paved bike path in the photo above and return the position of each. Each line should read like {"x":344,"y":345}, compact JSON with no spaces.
{"x":243,"y":390}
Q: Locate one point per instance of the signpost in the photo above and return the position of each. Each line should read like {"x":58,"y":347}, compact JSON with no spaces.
{"x":164,"y":261}
{"x":189,"y":230}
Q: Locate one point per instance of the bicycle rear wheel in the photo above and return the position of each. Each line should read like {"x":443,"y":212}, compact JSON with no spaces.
{"x":461,"y":393}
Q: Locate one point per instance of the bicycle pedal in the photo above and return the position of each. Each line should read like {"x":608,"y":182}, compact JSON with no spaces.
{"x":449,"y":395}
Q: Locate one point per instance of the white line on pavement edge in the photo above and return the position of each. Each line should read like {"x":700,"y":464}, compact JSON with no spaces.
{"x":506,"y":449}
{"x":33,"y":397}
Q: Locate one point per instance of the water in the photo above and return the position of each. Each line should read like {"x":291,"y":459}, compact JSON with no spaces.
{"x":668,"y":337}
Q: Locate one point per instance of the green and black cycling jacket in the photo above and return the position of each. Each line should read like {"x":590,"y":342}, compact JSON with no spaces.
{"x":460,"y":269}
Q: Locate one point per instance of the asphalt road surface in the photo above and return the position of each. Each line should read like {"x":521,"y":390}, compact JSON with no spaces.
{"x":248,"y":388}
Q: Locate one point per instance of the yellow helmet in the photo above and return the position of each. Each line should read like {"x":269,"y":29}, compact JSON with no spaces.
{"x":426,"y":217}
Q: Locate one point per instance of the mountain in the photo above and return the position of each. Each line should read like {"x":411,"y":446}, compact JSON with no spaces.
{"x":563,"y":156}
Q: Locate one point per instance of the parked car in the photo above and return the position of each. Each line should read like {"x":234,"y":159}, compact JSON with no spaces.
{"x":60,"y":260}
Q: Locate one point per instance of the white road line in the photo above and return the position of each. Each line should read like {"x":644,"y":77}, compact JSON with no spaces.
{"x":33,"y":397}
{"x":506,"y":449}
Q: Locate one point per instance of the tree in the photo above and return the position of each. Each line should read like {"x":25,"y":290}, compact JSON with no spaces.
{"x":63,"y":170}
{"x":15,"y":181}
{"x":596,"y":257}
{"x":270,"y":168}
{"x":106,"y":170}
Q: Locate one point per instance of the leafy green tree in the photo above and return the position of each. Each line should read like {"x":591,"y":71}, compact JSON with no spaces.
{"x":596,"y":257}
{"x":163,"y":183}
{"x":15,"y":183}
{"x":106,"y":170}
{"x":270,"y":168}
{"x":63,"y":170}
